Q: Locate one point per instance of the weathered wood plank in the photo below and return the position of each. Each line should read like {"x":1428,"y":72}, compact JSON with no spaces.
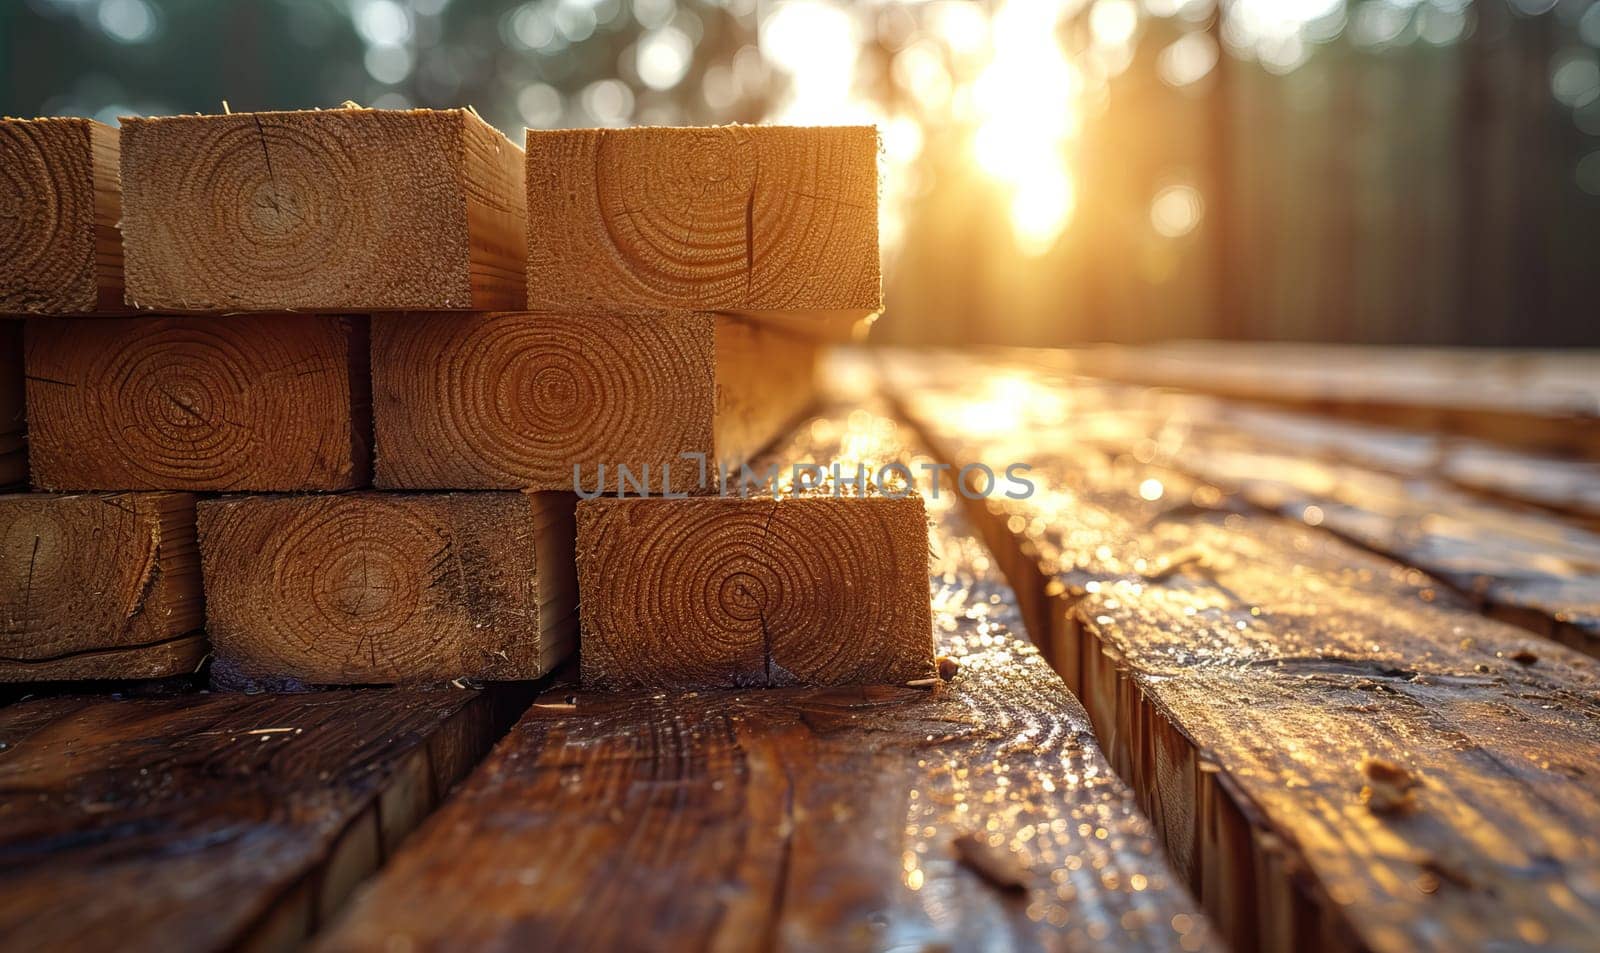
{"x":326,"y":210}
{"x":264,"y":402}
{"x":558,"y":401}
{"x":217,"y":822}
{"x":1337,"y":751}
{"x":60,"y":252}
{"x":1563,"y":485}
{"x":103,"y":586}
{"x":13,"y":420}
{"x":1540,"y":401}
{"x":818,"y":818}
{"x":740,"y":593}
{"x":1536,"y":570}
{"x":731,"y":218}
{"x":377,"y":588}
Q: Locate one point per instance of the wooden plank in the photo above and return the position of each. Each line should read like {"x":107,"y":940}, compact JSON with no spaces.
{"x":804,"y":818}
{"x":559,"y":401}
{"x":731,"y":218}
{"x":378,"y":588}
{"x":217,"y":822}
{"x":1566,"y":486}
{"x":265,"y":402}
{"x":1338,"y":752}
{"x":60,"y":252}
{"x":1530,"y":568}
{"x":13,"y":420}
{"x":1547,"y":402}
{"x":326,"y":210}
{"x":739,"y":593}
{"x":102,"y":586}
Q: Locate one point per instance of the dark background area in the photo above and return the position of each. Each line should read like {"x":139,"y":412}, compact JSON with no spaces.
{"x":1380,"y":171}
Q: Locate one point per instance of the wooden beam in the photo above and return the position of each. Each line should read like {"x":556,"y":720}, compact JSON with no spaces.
{"x":1526,"y":567}
{"x":222,"y":821}
{"x":546,"y":401}
{"x":731,"y":218}
{"x":1545,"y":402}
{"x":1339,"y":752}
{"x":13,"y":419}
{"x":378,"y":588}
{"x":327,"y":210}
{"x":98,"y":586}
{"x":951,"y":816}
{"x":265,"y":402}
{"x":740,"y":593}
{"x":60,"y":252}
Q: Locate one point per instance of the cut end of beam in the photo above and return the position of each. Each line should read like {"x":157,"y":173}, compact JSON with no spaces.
{"x":735,"y":593}
{"x":324,"y":210}
{"x":371,"y":588}
{"x":60,"y":252}
{"x":13,"y":422}
{"x":725,"y":218}
{"x":98,"y":586}
{"x":564,"y":401}
{"x":265,"y":402}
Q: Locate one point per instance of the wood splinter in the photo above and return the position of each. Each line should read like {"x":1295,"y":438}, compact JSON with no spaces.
{"x":999,"y":868}
{"x":1388,"y":788}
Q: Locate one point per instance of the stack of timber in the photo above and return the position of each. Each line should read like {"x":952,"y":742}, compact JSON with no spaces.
{"x":93,"y":585}
{"x":255,"y":247}
{"x":678,"y":300}
{"x":1339,"y":751}
{"x":970,"y":811}
{"x":685,"y":280}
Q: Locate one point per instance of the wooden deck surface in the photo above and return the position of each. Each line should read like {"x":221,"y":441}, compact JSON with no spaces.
{"x":1339,"y":749}
{"x":216,"y":821}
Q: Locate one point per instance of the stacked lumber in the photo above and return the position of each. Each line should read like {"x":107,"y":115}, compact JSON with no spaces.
{"x":961,"y":813}
{"x":1339,"y":751}
{"x":327,"y":327}
{"x":256,"y":248}
{"x":684,"y":279}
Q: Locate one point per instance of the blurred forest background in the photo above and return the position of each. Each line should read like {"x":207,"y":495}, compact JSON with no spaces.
{"x":1383,"y":171}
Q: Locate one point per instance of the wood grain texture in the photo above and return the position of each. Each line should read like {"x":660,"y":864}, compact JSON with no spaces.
{"x":13,"y":402}
{"x":103,"y":586}
{"x":60,"y":252}
{"x":738,"y":593}
{"x":559,"y":401}
{"x":799,"y":818}
{"x":378,"y":588}
{"x":1380,"y":491}
{"x":1530,"y":568}
{"x":730,"y":218}
{"x":264,"y":402}
{"x":216,"y":822}
{"x":1567,"y":486}
{"x":1339,"y":752}
{"x":329,"y":210}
